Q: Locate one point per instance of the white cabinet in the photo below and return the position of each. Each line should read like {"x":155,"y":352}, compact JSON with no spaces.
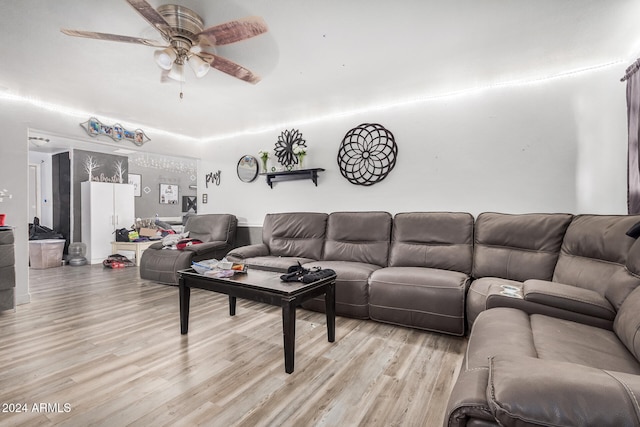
{"x":106,"y":207}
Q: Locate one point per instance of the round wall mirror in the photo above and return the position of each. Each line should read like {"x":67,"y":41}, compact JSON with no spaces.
{"x":247,"y":168}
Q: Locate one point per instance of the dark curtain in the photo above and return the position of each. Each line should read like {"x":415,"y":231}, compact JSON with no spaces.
{"x":632,"y":78}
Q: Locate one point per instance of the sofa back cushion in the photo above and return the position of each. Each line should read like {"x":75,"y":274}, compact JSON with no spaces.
{"x":212,"y":227}
{"x":441,"y":240}
{"x":358,"y":237}
{"x":518,"y":246}
{"x":295,"y":234}
{"x":596,"y":254}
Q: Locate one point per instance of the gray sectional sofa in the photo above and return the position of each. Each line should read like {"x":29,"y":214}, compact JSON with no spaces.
{"x":573,"y":267}
{"x":551,"y":302}
{"x":559,"y":345}
{"x":411,"y":270}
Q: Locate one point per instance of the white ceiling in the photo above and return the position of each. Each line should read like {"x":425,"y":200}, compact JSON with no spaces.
{"x":318,"y":58}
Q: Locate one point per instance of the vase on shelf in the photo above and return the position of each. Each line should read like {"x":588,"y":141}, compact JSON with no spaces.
{"x":264,"y":165}
{"x":300,"y":161}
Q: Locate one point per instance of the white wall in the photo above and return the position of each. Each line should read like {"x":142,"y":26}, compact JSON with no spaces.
{"x":14,"y":175}
{"x":555,"y":146}
{"x":552,"y":146}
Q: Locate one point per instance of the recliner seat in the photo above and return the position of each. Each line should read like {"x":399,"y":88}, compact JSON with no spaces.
{"x":429,"y":270}
{"x":216,"y":231}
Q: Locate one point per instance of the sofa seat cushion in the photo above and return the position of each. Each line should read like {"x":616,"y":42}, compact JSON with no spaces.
{"x":565,"y":341}
{"x":352,"y":288}
{"x":512,"y":333}
{"x":277,"y":263}
{"x":525,"y":342}
{"x":423,"y":298}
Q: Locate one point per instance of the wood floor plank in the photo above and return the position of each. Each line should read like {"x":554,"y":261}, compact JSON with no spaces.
{"x":108,"y":345}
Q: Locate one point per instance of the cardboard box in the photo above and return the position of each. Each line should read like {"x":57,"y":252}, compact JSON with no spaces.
{"x":148,"y":232}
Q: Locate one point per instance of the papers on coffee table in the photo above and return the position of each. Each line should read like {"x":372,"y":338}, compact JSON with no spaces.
{"x":215,"y":268}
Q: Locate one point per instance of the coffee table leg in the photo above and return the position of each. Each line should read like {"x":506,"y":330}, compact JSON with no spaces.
{"x":289,"y":332}
{"x":232,"y":306}
{"x":185,"y":296}
{"x":330,"y":309}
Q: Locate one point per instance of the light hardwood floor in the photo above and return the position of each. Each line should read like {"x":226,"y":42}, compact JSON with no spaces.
{"x":107,"y":344}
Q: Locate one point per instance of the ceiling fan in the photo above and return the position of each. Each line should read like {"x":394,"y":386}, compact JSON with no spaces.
{"x":186,"y":41}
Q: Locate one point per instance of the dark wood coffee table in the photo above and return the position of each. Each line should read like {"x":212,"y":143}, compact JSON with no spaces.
{"x":263,"y":286}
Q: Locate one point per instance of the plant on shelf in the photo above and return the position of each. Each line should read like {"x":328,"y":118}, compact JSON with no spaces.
{"x":300,"y":151}
{"x":264,"y":156}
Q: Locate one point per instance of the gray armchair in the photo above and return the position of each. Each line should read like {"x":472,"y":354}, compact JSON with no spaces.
{"x":217,"y":231}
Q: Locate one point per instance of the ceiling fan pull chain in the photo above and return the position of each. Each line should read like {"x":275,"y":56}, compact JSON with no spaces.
{"x":181,"y":94}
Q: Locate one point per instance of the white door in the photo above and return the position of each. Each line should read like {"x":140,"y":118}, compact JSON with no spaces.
{"x":124,"y":205}
{"x":34,"y":191}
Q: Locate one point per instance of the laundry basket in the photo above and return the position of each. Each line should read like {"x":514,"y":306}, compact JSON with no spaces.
{"x":46,"y":253}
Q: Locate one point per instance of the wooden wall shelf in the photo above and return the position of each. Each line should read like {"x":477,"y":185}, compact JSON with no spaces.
{"x":311,"y":174}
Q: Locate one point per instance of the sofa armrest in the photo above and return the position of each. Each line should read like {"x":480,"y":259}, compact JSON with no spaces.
{"x":204,"y":248}
{"x":567,"y":297}
{"x":250,"y":251}
{"x":468,"y":400}
{"x":534,"y":392}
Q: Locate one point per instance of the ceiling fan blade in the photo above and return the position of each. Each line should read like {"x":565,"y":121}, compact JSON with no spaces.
{"x":234,"y":31}
{"x":230,"y":67}
{"x":156,"y":20}
{"x":113,"y":37}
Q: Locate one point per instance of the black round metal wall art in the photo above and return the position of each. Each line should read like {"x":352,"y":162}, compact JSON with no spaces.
{"x":284,"y":147}
{"x":367,"y":154}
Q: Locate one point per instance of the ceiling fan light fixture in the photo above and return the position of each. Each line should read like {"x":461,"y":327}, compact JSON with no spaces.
{"x":177,"y":72}
{"x":199,"y":66}
{"x":184,"y":35}
{"x":165,"y":58}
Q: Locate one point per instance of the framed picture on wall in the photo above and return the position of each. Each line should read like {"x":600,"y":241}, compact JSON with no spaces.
{"x":136,"y":181}
{"x":169,"y":194}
